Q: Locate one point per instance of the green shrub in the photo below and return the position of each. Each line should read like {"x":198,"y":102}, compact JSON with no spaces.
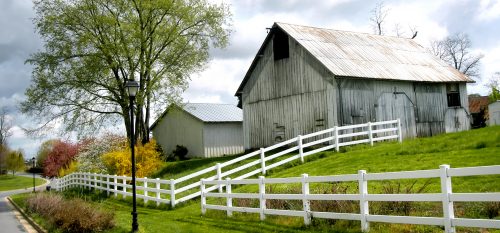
{"x":74,"y":215}
{"x":179,"y":153}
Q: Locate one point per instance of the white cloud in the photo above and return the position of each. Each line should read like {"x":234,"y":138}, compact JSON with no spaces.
{"x":488,"y":10}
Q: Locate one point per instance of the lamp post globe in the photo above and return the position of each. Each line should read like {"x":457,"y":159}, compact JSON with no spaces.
{"x":132,"y":87}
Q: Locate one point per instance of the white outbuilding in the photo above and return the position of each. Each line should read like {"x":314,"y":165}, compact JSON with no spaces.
{"x":494,"y":113}
{"x":206,"y":130}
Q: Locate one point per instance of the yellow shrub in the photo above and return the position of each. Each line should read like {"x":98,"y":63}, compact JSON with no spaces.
{"x":147,"y":160}
{"x":73,"y":165}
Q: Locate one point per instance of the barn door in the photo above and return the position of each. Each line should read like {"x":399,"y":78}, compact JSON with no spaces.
{"x":391,"y":106}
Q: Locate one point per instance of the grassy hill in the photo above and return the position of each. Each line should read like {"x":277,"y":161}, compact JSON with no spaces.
{"x":479,"y":147}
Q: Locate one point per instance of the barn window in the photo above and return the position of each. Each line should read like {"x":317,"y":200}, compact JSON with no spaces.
{"x":453,"y":95}
{"x":280,"y":45}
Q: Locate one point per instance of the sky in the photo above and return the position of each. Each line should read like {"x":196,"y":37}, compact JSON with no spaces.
{"x":433,"y":19}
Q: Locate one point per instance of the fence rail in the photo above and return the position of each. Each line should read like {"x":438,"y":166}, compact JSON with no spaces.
{"x":446,"y":197}
{"x":188,"y":186}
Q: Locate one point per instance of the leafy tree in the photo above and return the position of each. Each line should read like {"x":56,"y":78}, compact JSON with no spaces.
{"x":93,"y":47}
{"x":4,"y":152}
{"x":147,"y":160}
{"x":44,"y":149}
{"x":90,"y":156}
{"x":60,"y":157}
{"x":456,"y":51}
{"x":15,"y":161}
{"x":494,"y":86}
{"x":5,"y":126}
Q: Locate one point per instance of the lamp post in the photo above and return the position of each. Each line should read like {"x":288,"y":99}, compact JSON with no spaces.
{"x":132,"y":87}
{"x":33,"y":171}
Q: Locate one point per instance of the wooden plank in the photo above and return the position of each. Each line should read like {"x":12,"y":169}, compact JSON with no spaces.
{"x":406,"y":220}
{"x":475,"y":171}
{"x":333,"y":197}
{"x":434,"y":173}
{"x":482,"y":223}
{"x":330,"y":215}
{"x":404,"y":197}
{"x":475,"y":197}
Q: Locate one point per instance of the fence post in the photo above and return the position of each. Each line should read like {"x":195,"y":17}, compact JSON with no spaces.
{"x":219,"y":177}
{"x":95,"y":181}
{"x":107,"y":185}
{"x":172,"y":193}
{"x":448,"y":212}
{"x":305,"y":201}
{"x":87,"y":180}
{"x":262,"y":201}
{"x":203,"y":198}
{"x":158,"y":197}
{"x":229,"y":200}
{"x":262,"y":161}
{"x":363,"y":204}
{"x":370,"y":135}
{"x":301,"y":149}
{"x":336,"y":135}
{"x":145,"y":183}
{"x":124,"y":186}
{"x":115,"y":184}
{"x":400,"y":134}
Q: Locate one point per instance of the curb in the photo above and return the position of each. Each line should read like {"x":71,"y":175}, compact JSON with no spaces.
{"x":37,"y":227}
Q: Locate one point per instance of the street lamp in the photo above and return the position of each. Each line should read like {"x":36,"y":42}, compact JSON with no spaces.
{"x":132,"y":87}
{"x":33,"y":171}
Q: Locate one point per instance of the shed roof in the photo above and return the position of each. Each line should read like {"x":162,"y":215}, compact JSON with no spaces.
{"x":214,"y":112}
{"x":476,"y":103}
{"x":208,"y":112}
{"x":363,"y":55}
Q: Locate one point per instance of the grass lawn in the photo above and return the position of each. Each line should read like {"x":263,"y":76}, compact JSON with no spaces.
{"x":10,"y":182}
{"x":479,"y":147}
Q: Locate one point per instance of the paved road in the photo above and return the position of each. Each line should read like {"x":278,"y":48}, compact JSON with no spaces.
{"x":8,"y":221}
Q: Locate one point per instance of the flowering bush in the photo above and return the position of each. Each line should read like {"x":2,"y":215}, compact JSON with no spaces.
{"x":147,"y":160}
{"x":90,"y":156}
{"x":60,"y":157}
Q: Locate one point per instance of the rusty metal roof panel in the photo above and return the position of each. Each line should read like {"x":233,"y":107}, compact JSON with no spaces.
{"x":353,"y":54}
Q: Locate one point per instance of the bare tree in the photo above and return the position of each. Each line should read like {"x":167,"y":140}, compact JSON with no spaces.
{"x":5,"y":126}
{"x":456,"y":51}
{"x":379,"y":14}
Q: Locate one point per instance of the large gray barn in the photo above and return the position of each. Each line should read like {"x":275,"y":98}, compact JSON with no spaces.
{"x":304,"y":79}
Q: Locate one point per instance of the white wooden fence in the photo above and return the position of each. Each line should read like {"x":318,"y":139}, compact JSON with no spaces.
{"x":446,"y":197}
{"x":333,"y":138}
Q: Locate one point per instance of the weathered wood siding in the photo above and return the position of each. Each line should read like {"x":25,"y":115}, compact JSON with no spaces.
{"x":494,"y":113}
{"x":223,"y":138}
{"x":458,"y":118}
{"x":286,"y":97}
{"x":180,"y":128}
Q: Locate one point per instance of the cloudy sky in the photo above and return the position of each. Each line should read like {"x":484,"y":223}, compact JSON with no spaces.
{"x":433,"y":19}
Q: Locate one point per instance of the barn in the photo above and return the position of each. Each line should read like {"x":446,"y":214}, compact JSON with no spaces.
{"x":206,"y":130}
{"x":305,"y":79}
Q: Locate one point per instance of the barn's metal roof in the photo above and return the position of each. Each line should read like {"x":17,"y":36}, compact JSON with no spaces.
{"x":214,"y":112}
{"x":363,"y":55}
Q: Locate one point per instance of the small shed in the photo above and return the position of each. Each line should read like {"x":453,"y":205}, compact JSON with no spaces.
{"x":478,"y":107}
{"x":305,"y":79}
{"x":206,"y":130}
{"x":494,"y":113}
